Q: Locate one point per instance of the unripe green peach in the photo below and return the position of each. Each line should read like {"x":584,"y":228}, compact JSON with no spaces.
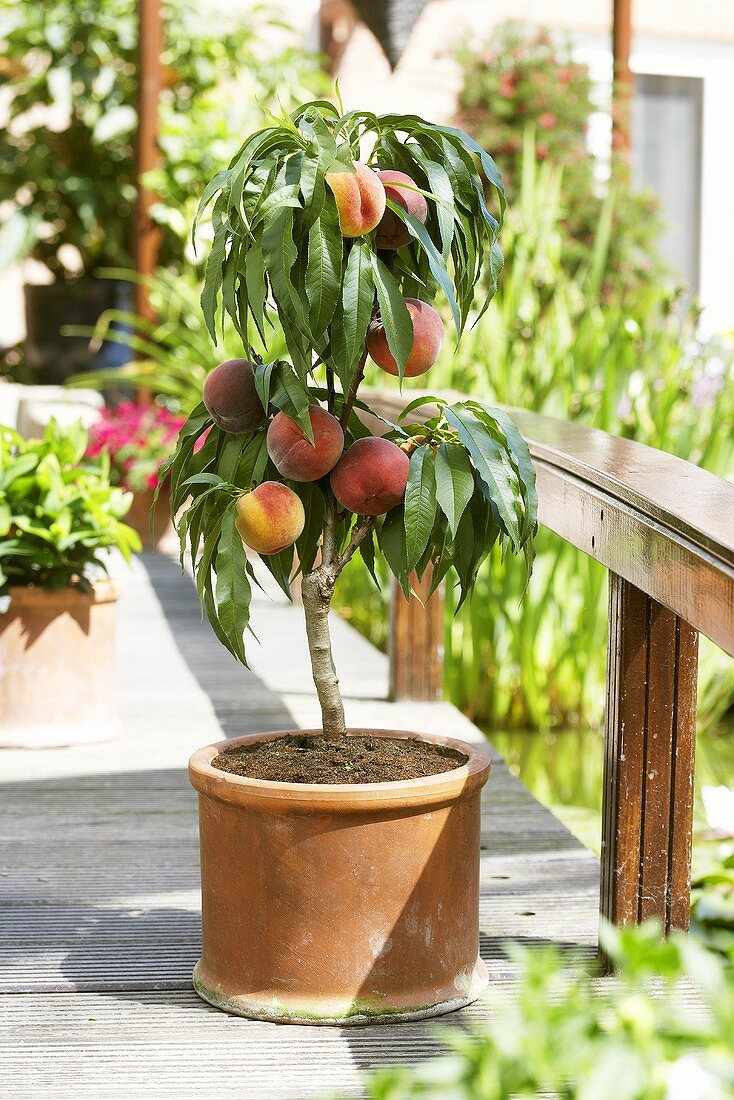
{"x":295,"y":456}
{"x":371,"y":476}
{"x":392,"y":232}
{"x":231,"y":398}
{"x":270,"y":518}
{"x":360,"y":199}
{"x":428,"y":334}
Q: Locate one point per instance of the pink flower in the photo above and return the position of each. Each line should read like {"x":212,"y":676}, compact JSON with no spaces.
{"x":507,"y":85}
{"x":565,"y":75}
{"x":541,"y":150}
{"x":547,"y":121}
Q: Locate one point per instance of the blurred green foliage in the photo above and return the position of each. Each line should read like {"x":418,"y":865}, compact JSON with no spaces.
{"x":523,"y":77}
{"x":561,"y":1033}
{"x":58,"y":510}
{"x":173,"y":355}
{"x":69,"y":68}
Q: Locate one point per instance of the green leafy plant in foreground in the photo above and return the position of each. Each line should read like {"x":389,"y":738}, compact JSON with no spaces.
{"x":286,"y":245}
{"x":561,"y":1033}
{"x":58,"y":510}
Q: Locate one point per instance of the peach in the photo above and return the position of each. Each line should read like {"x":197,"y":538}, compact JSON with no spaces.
{"x":231,"y":398}
{"x":270,"y":518}
{"x":360,"y":199}
{"x":428,"y":333}
{"x":392,"y":232}
{"x":295,"y":456}
{"x":371,"y":476}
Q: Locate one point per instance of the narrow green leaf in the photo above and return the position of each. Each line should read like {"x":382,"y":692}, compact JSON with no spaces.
{"x":233,"y":592}
{"x":454,"y":483}
{"x":492,"y":465}
{"x":436,"y":261}
{"x":324,"y":268}
{"x":394,"y":314}
{"x":358,"y":297}
{"x":420,"y":503}
{"x":391,"y":539}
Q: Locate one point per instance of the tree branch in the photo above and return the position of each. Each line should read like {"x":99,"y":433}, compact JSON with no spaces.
{"x":360,"y":531}
{"x":351,"y":395}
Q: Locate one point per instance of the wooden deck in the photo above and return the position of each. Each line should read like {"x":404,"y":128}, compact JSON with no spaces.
{"x":99,"y":889}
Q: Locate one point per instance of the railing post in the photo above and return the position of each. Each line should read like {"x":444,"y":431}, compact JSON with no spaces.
{"x":648,"y":774}
{"x":416,"y":643}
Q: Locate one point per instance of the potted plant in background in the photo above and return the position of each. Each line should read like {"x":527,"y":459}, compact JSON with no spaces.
{"x":340,"y":867}
{"x":58,"y":514}
{"x":138,"y":440}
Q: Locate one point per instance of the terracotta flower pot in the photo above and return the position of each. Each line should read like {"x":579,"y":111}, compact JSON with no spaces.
{"x":57,"y":667}
{"x":344,"y":904}
{"x":139,"y":517}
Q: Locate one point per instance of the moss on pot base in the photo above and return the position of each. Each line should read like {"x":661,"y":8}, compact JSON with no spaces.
{"x":358,"y":1013}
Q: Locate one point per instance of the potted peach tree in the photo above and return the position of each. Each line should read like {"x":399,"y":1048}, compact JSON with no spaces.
{"x":340,"y":866}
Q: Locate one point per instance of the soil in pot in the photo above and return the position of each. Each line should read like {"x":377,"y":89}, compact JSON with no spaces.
{"x":346,"y":759}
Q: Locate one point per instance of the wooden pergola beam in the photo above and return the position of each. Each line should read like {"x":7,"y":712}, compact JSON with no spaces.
{"x":147,"y":153}
{"x":622,"y":85}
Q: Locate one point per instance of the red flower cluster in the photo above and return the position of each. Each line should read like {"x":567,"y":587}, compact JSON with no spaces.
{"x":138,"y":440}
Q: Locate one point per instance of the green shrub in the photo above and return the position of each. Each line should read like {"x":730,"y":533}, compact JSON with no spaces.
{"x":58,"y":510}
{"x":560,"y":1033}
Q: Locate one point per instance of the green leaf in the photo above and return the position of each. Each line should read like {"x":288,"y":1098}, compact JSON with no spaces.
{"x":358,"y":296}
{"x":436,"y":261}
{"x":291,"y":395}
{"x":394,"y":314}
{"x":256,"y":285}
{"x":454,"y":483}
{"x":419,"y":402}
{"x":324,"y":268}
{"x":233,"y":592}
{"x":420,"y":503}
{"x":391,"y":539}
{"x":495,"y":471}
{"x":213,"y":277}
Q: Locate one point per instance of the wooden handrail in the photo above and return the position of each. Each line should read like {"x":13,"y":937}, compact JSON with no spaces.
{"x":665,"y":531}
{"x":661,"y":523}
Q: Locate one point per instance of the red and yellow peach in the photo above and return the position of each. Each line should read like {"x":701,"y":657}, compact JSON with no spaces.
{"x":231,"y":398}
{"x":371,"y":476}
{"x":295,"y":456}
{"x":399,"y":188}
{"x":270,"y":518}
{"x":360,"y":199}
{"x":428,"y":334}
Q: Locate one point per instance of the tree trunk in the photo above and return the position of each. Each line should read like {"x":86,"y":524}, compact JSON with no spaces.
{"x":316,"y":593}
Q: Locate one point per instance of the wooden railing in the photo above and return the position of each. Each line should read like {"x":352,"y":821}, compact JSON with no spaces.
{"x":665,"y":531}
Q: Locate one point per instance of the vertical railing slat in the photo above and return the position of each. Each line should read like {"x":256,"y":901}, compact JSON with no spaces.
{"x":416,"y":643}
{"x":648,"y":781}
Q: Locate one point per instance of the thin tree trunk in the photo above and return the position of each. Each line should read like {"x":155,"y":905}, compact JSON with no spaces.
{"x":316,"y":592}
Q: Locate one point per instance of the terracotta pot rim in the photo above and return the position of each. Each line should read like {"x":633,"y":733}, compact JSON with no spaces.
{"x":104,"y":590}
{"x":446,"y":786}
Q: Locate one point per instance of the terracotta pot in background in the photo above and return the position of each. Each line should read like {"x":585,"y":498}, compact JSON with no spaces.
{"x":139,"y":517}
{"x":57,"y":681}
{"x":340,"y":904}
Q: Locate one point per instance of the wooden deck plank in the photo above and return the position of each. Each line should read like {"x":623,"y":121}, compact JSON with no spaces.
{"x":99,"y":889}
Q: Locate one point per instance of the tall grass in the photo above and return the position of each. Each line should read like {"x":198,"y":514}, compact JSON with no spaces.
{"x":551,"y":343}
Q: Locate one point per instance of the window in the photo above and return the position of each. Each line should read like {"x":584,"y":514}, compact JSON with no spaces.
{"x":667,"y":126}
